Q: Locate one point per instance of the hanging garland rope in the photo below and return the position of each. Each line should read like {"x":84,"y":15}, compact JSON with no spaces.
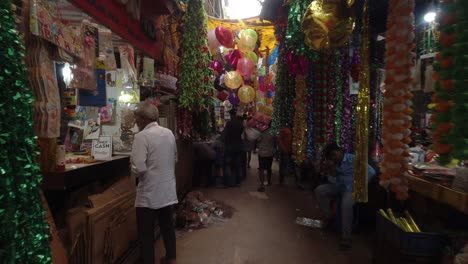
{"x":300,"y":120}
{"x":397,"y":102}
{"x":339,"y":94}
{"x":24,"y":233}
{"x":449,"y":98}
{"x":347,"y":113}
{"x":195,"y":84}
{"x":310,"y":148}
{"x":331,"y":96}
{"x":320,"y":103}
{"x":362,"y":113}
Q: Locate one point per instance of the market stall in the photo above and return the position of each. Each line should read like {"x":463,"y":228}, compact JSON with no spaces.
{"x":88,"y":63}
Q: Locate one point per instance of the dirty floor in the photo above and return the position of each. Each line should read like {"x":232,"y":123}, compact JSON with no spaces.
{"x":263,"y":230}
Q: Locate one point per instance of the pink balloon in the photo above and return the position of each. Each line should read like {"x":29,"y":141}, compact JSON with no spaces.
{"x":217,"y":66}
{"x":245,"y":66}
{"x":212,"y":40}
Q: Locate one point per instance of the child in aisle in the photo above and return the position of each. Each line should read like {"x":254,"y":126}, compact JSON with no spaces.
{"x":266,"y":151}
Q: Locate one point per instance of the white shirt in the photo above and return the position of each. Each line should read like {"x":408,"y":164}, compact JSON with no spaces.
{"x":154,"y":155}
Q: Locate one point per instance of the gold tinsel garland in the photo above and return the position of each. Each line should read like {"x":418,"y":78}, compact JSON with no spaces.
{"x":362,"y":121}
{"x":300,"y":120}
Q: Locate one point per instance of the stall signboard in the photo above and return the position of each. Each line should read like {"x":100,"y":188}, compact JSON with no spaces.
{"x":115,"y":16}
{"x":47,"y":25}
{"x":102,"y":148}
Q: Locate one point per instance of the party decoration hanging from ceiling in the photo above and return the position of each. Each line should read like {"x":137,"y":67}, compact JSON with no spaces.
{"x":246,"y":94}
{"x":233,"y":80}
{"x":195,"y":82}
{"x":327,"y":24}
{"x":300,"y":120}
{"x":24,"y":232}
{"x":397,"y":103}
{"x":450,"y":124}
{"x":362,"y":122}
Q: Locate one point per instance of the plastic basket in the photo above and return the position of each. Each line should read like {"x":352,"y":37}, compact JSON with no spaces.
{"x":424,"y":244}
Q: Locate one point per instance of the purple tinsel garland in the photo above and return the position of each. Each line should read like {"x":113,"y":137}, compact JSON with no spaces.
{"x":347,"y":133}
{"x":310,"y":147}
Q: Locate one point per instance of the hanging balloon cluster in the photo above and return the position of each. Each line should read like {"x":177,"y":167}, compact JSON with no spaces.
{"x":450,"y":121}
{"x":397,"y":103}
{"x":235,"y":74}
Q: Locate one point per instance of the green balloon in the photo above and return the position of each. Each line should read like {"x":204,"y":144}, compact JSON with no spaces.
{"x":252,"y":56}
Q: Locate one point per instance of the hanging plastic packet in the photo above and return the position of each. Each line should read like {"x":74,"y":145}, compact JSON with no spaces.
{"x":106,"y":49}
{"x":148,"y":71}
{"x":84,"y":74}
{"x":127,"y":58}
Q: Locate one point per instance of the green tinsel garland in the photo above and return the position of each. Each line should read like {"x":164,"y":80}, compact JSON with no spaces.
{"x":195,"y":83}
{"x":24,"y":233}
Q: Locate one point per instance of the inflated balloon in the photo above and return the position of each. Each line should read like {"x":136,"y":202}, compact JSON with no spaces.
{"x":232,"y":80}
{"x":262,"y":87}
{"x":233,"y":99}
{"x":270,"y":94}
{"x":266,"y":110}
{"x":233,"y":57}
{"x":249,"y":33}
{"x":246,"y":43}
{"x":327,"y":24}
{"x":222,"y":96}
{"x":269,"y":101}
{"x":246,"y":94}
{"x":252,"y":56}
{"x":217,"y":66}
{"x":245,"y":66}
{"x":212,"y":41}
{"x":262,"y":71}
{"x":225,"y":36}
{"x":270,"y":87}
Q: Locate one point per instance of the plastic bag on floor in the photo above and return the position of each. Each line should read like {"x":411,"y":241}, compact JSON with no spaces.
{"x":303,"y":221}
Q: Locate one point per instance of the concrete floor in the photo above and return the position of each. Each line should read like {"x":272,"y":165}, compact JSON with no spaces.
{"x":263,"y":230}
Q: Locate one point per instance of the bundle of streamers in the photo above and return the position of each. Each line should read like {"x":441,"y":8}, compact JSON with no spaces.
{"x":406,"y":223}
{"x":450,"y":121}
{"x":320,"y":102}
{"x":300,"y":120}
{"x":397,"y":103}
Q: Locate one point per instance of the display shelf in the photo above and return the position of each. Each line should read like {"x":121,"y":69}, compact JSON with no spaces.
{"x":453,"y":198}
{"x":81,"y":174}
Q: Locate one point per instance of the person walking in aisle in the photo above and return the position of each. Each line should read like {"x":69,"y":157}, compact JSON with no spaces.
{"x":154,"y":155}
{"x":233,"y":148}
{"x":266,"y":151}
{"x":340,"y":168}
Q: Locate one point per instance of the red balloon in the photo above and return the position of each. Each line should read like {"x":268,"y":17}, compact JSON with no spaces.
{"x":222,"y":96}
{"x":233,"y":57}
{"x":225,"y":36}
{"x":217,"y":66}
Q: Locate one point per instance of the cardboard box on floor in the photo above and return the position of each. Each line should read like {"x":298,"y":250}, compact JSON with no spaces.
{"x":104,"y":232}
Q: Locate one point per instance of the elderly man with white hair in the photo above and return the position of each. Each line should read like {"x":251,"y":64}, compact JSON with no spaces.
{"x":154,"y":155}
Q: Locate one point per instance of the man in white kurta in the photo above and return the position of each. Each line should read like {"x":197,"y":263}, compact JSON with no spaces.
{"x":154,"y":155}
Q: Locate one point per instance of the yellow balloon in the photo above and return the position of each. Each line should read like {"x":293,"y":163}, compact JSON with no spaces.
{"x":246,"y":43}
{"x":246,"y":94}
{"x":250,"y":33}
{"x":233,"y":80}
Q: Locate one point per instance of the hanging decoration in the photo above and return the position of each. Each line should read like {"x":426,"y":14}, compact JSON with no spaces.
{"x":310,"y":148}
{"x":397,"y":102}
{"x":331,"y":96}
{"x":449,"y":121}
{"x":320,"y":102}
{"x":300,"y":120}
{"x":246,"y":94}
{"x":24,"y":231}
{"x":340,"y":88}
{"x":195,"y":83}
{"x":362,"y":113}
{"x":233,"y":80}
{"x":327,"y":24}
{"x":347,"y":138}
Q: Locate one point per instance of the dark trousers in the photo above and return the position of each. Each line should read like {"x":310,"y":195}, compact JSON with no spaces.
{"x":233,"y":169}
{"x":146,"y":219}
{"x":203,"y":172}
{"x":286,"y":165}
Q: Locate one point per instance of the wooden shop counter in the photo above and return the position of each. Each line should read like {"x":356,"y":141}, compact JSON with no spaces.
{"x":437,"y":192}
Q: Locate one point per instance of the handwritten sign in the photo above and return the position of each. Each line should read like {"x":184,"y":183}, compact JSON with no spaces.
{"x":45,"y":24}
{"x":102,"y":148}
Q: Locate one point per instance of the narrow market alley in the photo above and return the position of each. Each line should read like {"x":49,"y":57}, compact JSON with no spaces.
{"x":263,"y":229}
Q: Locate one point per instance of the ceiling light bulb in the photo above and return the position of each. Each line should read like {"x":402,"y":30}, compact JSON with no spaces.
{"x":429,"y":17}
